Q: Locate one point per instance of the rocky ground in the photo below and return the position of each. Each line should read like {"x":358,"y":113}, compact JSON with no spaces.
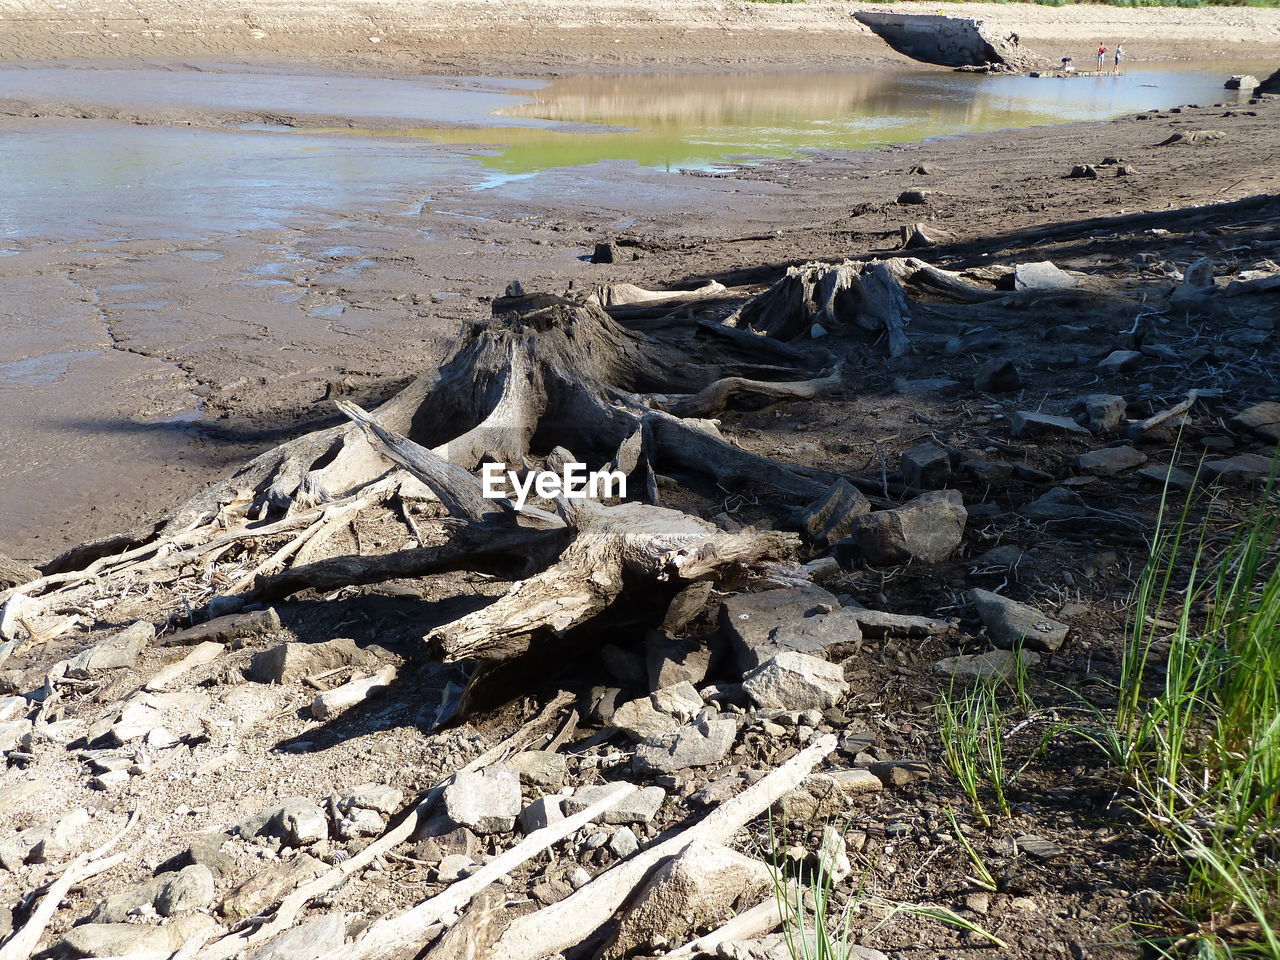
{"x":1005,"y":476}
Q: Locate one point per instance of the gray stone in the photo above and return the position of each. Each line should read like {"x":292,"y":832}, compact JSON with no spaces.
{"x":1109,"y":461}
{"x":359,"y":822}
{"x":1011,"y":624}
{"x":1241,"y":468}
{"x":1042,"y":276}
{"x":381,"y":797}
{"x":269,"y":885}
{"x":994,"y":664}
{"x":623,"y":843}
{"x":623,"y":665}
{"x":638,"y":807}
{"x":542,"y":813}
{"x":1197,"y":281}
{"x":1262,"y":419}
{"x":680,"y":700}
{"x":997,"y":376}
{"x":206,"y":849}
{"x":190,"y":888}
{"x":540,"y":768}
{"x":604,"y":253}
{"x":928,"y":387}
{"x":913,"y":197}
{"x":899,"y":773}
{"x":121,"y":649}
{"x":1105,"y":412}
{"x":486,"y":801}
{"x":700,"y":886}
{"x":331,"y":703}
{"x":927,"y":529}
{"x":1029,"y":425}
{"x":853,"y":782}
{"x":1120,"y":361}
{"x":313,"y":939}
{"x":795,"y":681}
{"x":639,"y":719}
{"x":122,"y":939}
{"x":298,"y":821}
{"x":291,"y":662}
{"x":831,"y":516}
{"x":671,"y":660}
{"x":925,"y":466}
{"x":14,"y":573}
{"x":116,"y":907}
{"x":1003,"y":557}
{"x":1162,"y":474}
{"x":750,"y":619}
{"x":234,"y":626}
{"x":1039,"y":847}
{"x":454,"y":867}
{"x":14,"y":708}
{"x":699,"y":745}
{"x":12,"y":732}
{"x":1083,"y":171}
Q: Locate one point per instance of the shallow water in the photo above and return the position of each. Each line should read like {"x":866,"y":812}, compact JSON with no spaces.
{"x":73,"y":178}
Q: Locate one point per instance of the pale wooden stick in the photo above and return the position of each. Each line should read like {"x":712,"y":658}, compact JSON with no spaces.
{"x":555,"y":928}
{"x":760,"y":919}
{"x":389,"y":937}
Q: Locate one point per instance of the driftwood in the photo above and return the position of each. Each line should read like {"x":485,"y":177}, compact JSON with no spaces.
{"x":392,"y":935}
{"x":573,"y":920}
{"x":760,"y":919}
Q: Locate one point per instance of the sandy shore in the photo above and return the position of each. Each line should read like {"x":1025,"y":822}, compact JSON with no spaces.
{"x":531,"y":35}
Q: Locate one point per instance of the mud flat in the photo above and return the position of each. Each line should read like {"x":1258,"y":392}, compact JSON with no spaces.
{"x":535,"y":34}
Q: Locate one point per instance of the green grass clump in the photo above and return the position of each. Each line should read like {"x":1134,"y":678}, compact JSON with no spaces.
{"x":971,"y":723}
{"x":1197,"y":723}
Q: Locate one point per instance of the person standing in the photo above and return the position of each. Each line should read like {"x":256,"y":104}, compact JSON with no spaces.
{"x":1102,"y":56}
{"x":1119,"y":55}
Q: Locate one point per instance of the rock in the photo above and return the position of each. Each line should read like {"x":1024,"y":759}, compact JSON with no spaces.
{"x":1262,"y":419}
{"x":1162,"y":474}
{"x":120,"y":649}
{"x":638,"y":807}
{"x":225,"y":629}
{"x":1083,"y":171}
{"x":927,"y":529}
{"x":877,"y":623}
{"x":1197,"y":281}
{"x":329,"y":704}
{"x":540,"y":768}
{"x":1120,"y":361}
{"x":190,"y":888}
{"x":700,"y":886}
{"x":795,"y":681}
{"x":932,"y":386}
{"x":831,"y":516}
{"x":143,"y":713}
{"x":1039,"y":847}
{"x":116,"y":907}
{"x":913,"y":197}
{"x":851,"y":783}
{"x":359,"y":822}
{"x":313,"y":939}
{"x":542,"y":813}
{"x":486,"y":801}
{"x":1030,"y":425}
{"x":1011,"y":624}
{"x":604,"y":253}
{"x":12,"y":732}
{"x":1192,"y":137}
{"x":1126,"y":170}
{"x":639,"y":719}
{"x":578,"y":878}
{"x":1042,"y":276}
{"x":623,"y":843}
{"x":997,"y":376}
{"x":750,"y":619}
{"x":381,"y":797}
{"x":602,"y":703}
{"x":992,"y":665}
{"x":923,"y":170}
{"x":1241,"y":468}
{"x":200,"y":654}
{"x":623,"y":665}
{"x":123,"y":939}
{"x":206,"y":849}
{"x":680,"y":700}
{"x":291,"y":662}
{"x":670,"y":660}
{"x":297,"y":821}
{"x":699,"y":745}
{"x":1241,"y":81}
{"x":926,"y":466}
{"x":14,"y":708}
{"x":1004,"y":557}
{"x":454,"y":867}
{"x":1105,"y":412}
{"x":14,"y":573}
{"x":899,"y":773}
{"x":1109,"y":461}
{"x":269,"y":885}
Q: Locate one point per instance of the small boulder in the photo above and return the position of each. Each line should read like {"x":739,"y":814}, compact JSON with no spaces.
{"x":292,"y":662}
{"x":698,"y":745}
{"x":925,"y":466}
{"x":542,"y":813}
{"x":794,"y":681}
{"x":486,"y":801}
{"x":913,"y":197}
{"x":992,"y":665}
{"x":998,"y":376}
{"x":1242,"y":468}
{"x":927,"y":529}
{"x":1109,"y":461}
{"x":1083,"y":171}
{"x":1042,"y":276}
{"x":604,"y":253}
{"x":1120,"y":361}
{"x":125,"y":939}
{"x":190,"y":888}
{"x":638,"y":807}
{"x":700,"y":886}
{"x":540,"y":768}
{"x":1029,"y":425}
{"x":1262,"y":419}
{"x":831,"y":516}
{"x":1105,"y":412}
{"x":1011,"y":624}
{"x":312,"y":939}
{"x":118,"y":650}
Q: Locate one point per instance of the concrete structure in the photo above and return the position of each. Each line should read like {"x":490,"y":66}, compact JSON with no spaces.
{"x":950,"y":41}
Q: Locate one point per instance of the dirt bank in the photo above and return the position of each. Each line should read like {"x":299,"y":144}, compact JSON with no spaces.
{"x":536,"y":35}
